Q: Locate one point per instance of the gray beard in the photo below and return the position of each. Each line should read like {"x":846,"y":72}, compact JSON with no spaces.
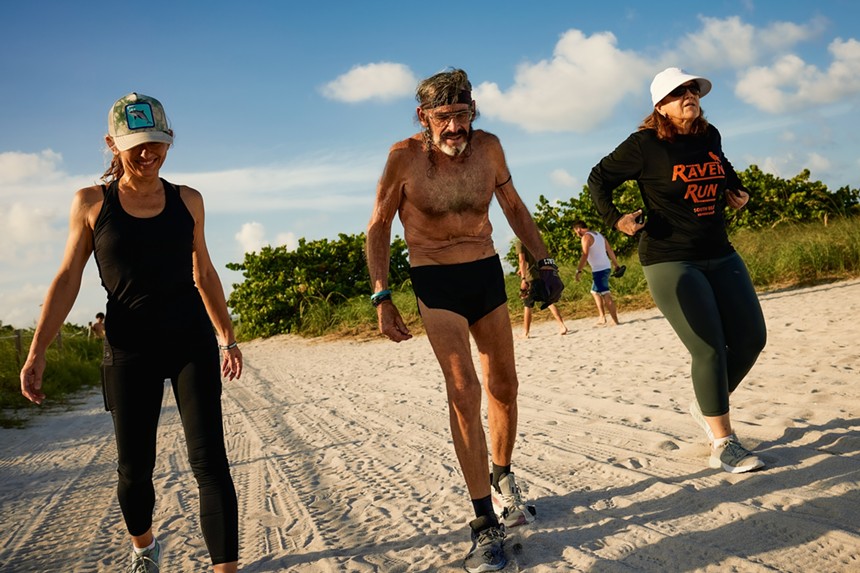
{"x":452,"y":151}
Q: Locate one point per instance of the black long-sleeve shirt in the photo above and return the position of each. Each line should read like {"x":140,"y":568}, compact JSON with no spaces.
{"x":683,"y":185}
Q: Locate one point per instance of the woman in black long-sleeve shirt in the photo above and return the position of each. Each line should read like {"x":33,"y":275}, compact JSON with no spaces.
{"x":697,"y":279}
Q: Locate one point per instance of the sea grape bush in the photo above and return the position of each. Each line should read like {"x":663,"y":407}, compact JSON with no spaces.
{"x":280,"y":284}
{"x":774,"y":201}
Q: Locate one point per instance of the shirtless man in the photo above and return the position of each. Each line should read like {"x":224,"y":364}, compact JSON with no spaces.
{"x":97,"y":328}
{"x":441,"y":182}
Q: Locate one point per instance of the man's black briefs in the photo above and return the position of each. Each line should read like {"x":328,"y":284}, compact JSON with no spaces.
{"x":472,"y":290}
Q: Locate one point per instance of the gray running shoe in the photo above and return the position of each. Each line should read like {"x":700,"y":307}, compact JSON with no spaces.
{"x":733,"y":457}
{"x":146,"y":562}
{"x":697,"y":415}
{"x":488,"y":551}
{"x":509,"y":504}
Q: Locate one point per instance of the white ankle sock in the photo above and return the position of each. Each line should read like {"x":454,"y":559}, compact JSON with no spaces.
{"x":720,"y":441}
{"x":140,"y":550}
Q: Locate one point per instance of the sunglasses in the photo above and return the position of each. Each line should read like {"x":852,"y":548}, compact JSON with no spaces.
{"x":682,"y":89}
{"x":460,"y":117}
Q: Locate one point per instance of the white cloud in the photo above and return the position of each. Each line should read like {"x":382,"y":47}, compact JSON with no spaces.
{"x":589,"y":76}
{"x":382,"y":81}
{"x":790,"y":164}
{"x":288,"y":240}
{"x":16,"y":167}
{"x":791,"y":84}
{"x":561,"y":178}
{"x":574,"y":91}
{"x":779,"y":36}
{"x":728,"y":41}
{"x":31,"y":234}
{"x":38,"y":179}
{"x":731,"y":42}
{"x":337,"y":183}
{"x":251,"y":237}
{"x":818,"y":163}
{"x":20,"y":306}
{"x":21,"y":296}
{"x":775,"y":165}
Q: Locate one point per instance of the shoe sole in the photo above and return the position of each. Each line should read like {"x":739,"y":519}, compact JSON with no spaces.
{"x":486,"y":567}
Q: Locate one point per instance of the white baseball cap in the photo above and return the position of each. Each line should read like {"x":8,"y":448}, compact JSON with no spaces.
{"x":670,"y":78}
{"x":136,"y":119}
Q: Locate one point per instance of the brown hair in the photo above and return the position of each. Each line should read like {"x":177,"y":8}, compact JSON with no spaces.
{"x":666,"y":129}
{"x":444,"y":88}
{"x":114,"y":171}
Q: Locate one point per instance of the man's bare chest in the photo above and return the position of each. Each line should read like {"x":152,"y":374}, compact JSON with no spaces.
{"x":454,"y":190}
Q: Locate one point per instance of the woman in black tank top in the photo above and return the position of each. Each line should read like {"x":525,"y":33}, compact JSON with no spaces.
{"x":166,"y":319}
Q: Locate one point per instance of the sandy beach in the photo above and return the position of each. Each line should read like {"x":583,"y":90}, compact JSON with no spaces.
{"x":343,"y":461}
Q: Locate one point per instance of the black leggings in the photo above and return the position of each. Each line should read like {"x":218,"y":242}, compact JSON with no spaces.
{"x":713,"y":308}
{"x":133,"y":390}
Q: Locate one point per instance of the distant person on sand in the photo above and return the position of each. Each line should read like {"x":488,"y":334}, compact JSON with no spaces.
{"x":441,"y":182}
{"x":696,"y":278}
{"x":531,"y":286}
{"x":598,"y":253}
{"x":97,"y":328}
{"x":148,"y":241}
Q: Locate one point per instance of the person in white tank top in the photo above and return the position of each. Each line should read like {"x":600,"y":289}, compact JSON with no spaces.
{"x":598,"y":253}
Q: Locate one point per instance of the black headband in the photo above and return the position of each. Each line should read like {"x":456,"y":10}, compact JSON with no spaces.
{"x":464,"y":96}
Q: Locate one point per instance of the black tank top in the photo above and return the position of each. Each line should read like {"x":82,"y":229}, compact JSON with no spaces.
{"x":146,"y":267}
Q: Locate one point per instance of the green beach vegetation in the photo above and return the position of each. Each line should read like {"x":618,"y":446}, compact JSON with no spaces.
{"x":795,"y":232}
{"x":73,"y":363}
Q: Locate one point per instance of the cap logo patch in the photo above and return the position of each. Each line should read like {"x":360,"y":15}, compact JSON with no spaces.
{"x":139,"y":116}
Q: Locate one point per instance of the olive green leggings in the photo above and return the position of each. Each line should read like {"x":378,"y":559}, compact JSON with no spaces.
{"x":713,"y":308}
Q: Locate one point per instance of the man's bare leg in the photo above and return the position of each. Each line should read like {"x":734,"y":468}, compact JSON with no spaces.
{"x":557,"y":315}
{"x":527,"y":321}
{"x":494,"y":340}
{"x":448,"y":334}
{"x":609,"y":304}
{"x":495,"y":344}
{"x":601,"y":313}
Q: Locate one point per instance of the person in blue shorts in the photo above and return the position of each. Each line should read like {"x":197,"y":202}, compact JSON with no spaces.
{"x":598,"y":253}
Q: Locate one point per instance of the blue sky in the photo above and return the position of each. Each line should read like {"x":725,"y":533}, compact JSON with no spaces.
{"x":284,"y":111}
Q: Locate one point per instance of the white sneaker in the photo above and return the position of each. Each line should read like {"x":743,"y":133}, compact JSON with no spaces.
{"x":509,"y":505}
